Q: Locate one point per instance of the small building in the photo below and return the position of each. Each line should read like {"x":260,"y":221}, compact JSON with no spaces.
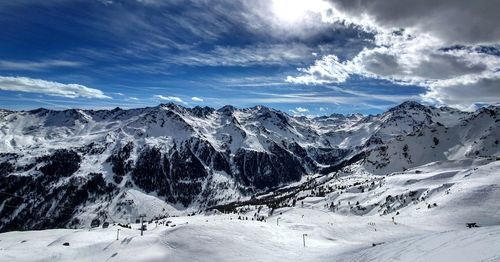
{"x":471,"y":225}
{"x":95,"y":223}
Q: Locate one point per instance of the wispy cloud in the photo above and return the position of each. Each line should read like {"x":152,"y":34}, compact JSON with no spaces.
{"x":201,"y":33}
{"x":261,"y":54}
{"x":308,"y":98}
{"x":394,"y":98}
{"x":249,"y":81}
{"x":36,"y":65}
{"x":25,"y":84}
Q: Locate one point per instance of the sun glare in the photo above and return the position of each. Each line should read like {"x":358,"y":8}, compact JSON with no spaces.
{"x":295,"y":10}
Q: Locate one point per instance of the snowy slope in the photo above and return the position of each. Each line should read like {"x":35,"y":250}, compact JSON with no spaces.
{"x":461,"y":245}
{"x":418,"y":234}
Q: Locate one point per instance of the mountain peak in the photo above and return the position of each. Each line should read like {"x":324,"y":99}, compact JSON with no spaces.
{"x":410,"y":105}
{"x":201,"y":111}
{"x":227,"y":109}
{"x":170,"y":105}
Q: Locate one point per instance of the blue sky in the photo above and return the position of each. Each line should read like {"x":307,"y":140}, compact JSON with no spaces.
{"x":309,"y":57}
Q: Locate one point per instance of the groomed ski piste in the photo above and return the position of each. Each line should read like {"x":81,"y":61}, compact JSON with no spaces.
{"x":430,"y":227}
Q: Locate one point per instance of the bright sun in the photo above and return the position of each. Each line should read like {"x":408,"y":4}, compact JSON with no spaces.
{"x":295,"y":10}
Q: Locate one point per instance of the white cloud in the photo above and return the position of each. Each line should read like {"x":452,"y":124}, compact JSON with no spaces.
{"x":404,"y":59}
{"x":418,"y":60}
{"x":299,"y":111}
{"x":323,"y":109}
{"x":325,"y":70}
{"x":169,"y":98}
{"x":465,"y":95}
{"x":408,"y":50}
{"x":196,"y":99}
{"x":25,"y":84}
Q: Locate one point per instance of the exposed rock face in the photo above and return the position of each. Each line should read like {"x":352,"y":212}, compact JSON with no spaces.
{"x":68,"y":168}
{"x":52,"y":197}
{"x":266,"y":170}
{"x":151,"y":172}
{"x":62,"y":163}
{"x":120,"y":162}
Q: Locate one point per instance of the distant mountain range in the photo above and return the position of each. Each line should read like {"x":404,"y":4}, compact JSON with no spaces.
{"x":67,"y":168}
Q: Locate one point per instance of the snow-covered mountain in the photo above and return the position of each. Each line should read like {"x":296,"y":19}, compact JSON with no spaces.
{"x":68,"y":168}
